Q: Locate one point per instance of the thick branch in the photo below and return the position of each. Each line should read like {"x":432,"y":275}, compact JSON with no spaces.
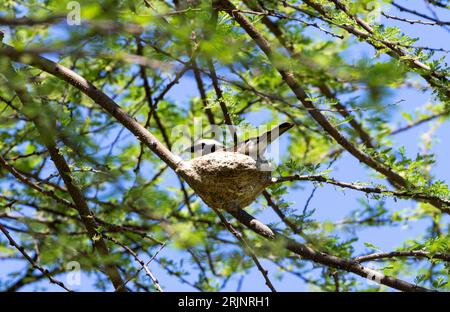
{"x":332,"y":261}
{"x":323,"y":87}
{"x":301,"y":94}
{"x":64,"y":171}
{"x":98,"y":97}
{"x":433,"y":77}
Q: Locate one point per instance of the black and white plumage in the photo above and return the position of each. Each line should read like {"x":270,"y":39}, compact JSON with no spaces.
{"x":205,"y":146}
{"x":253,"y":147}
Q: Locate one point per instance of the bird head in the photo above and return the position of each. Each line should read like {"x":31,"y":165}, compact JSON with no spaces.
{"x":204,"y":146}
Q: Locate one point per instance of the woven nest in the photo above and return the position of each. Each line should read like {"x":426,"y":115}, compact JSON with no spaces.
{"x":226,"y":180}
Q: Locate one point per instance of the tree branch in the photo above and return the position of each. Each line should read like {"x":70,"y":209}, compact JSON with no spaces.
{"x":97,"y":96}
{"x":365,"y":189}
{"x":64,"y":170}
{"x":395,"y":254}
{"x":288,"y":77}
{"x":44,"y":271}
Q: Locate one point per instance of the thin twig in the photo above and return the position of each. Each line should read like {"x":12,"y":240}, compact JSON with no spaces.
{"x":44,"y":271}
{"x":366,"y":189}
{"x":247,"y":248}
{"x":144,"y":266}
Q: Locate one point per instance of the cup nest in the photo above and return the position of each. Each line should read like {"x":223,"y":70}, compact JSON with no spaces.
{"x":226,"y":180}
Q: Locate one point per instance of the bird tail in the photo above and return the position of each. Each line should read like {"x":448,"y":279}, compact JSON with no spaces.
{"x":273,"y":134}
{"x":261,"y":142}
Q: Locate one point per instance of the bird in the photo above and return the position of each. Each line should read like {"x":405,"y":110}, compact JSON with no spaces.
{"x":254,"y":147}
{"x":204,"y":147}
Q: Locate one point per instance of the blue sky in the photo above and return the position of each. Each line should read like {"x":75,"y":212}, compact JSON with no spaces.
{"x":331,"y":204}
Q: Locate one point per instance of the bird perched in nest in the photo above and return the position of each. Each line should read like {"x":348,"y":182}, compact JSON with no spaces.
{"x":254,"y":147}
{"x":231,"y":178}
